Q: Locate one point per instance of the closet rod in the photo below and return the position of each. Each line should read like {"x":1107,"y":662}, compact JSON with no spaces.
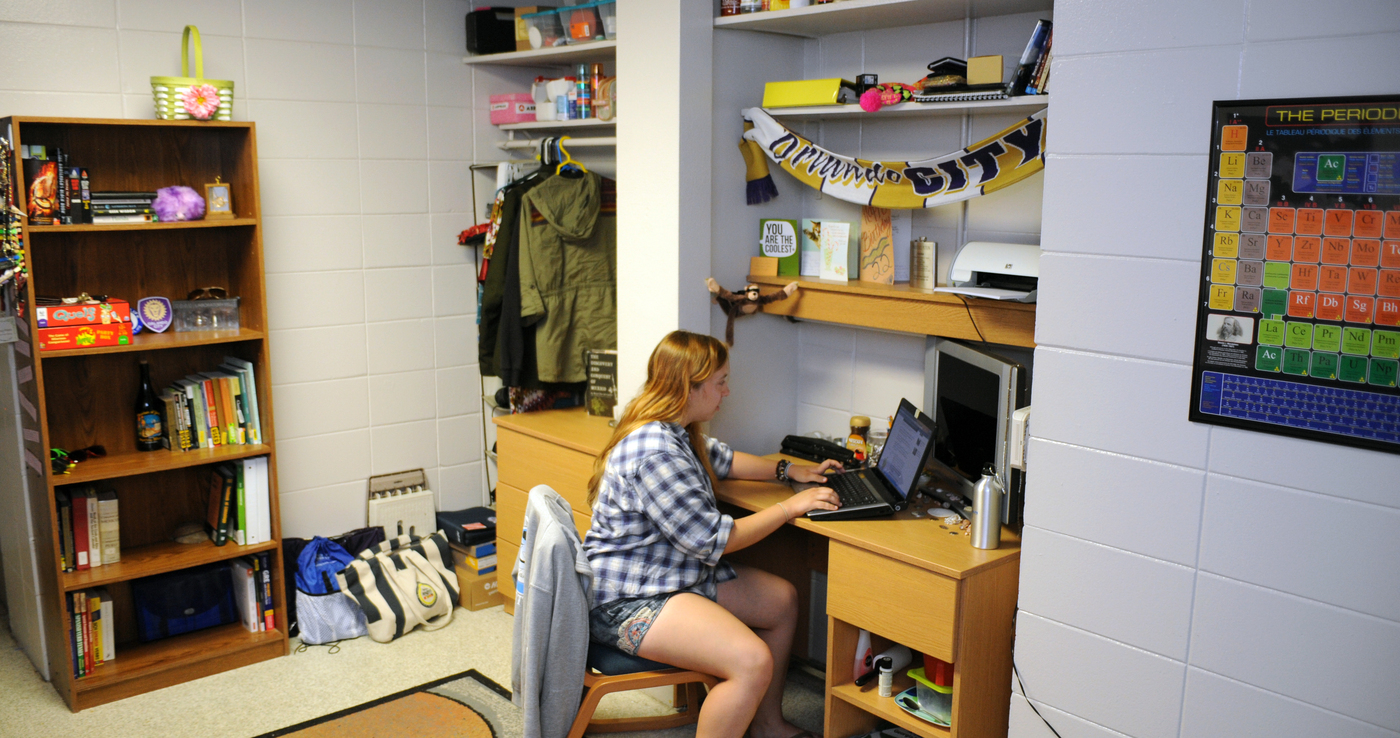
{"x":534,"y":143}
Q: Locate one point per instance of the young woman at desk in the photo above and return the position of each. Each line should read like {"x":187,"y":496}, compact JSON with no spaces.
{"x":662,"y":591}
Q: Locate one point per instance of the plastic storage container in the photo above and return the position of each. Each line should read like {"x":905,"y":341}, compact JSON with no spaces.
{"x":545,"y":29}
{"x":581,"y":23}
{"x":933,"y":699}
{"x":205,"y":315}
{"x":515,"y":107}
{"x":607,"y":14}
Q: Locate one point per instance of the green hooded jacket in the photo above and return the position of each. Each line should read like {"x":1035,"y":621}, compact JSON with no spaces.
{"x":568,"y":272}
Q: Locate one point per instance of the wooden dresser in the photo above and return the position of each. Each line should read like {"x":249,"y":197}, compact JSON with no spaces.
{"x":556,"y":448}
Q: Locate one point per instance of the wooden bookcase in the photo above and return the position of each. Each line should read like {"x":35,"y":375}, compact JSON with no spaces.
{"x":77,"y":398}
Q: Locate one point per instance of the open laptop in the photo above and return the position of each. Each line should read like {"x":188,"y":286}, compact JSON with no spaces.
{"x":885,"y":489}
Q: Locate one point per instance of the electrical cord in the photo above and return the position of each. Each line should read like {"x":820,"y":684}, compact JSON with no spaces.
{"x":971,"y":319}
{"x":1016,"y":671}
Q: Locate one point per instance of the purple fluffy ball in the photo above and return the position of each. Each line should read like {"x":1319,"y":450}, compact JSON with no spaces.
{"x":178,"y":203}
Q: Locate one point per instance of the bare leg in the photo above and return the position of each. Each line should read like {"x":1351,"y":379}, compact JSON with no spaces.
{"x":694,"y":633}
{"x":768,"y":604}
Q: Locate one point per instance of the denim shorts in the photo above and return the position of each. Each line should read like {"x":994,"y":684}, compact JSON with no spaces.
{"x":624,"y":623}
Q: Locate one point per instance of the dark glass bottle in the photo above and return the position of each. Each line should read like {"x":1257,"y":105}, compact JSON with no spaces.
{"x":148,"y":410}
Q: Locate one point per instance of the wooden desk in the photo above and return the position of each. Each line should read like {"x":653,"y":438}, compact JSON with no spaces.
{"x":906,"y":580}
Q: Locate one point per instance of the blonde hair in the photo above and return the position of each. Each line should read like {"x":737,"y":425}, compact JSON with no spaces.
{"x":677,"y":367}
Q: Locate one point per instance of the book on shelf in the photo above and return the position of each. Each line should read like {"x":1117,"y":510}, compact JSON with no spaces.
{"x":94,"y":610}
{"x":81,"y":553}
{"x":269,"y":614}
{"x":250,"y":395}
{"x":1035,"y":47}
{"x":966,"y":94}
{"x":109,"y":626}
{"x":247,"y":593}
{"x":109,"y":219}
{"x":60,"y":157}
{"x":109,"y":527}
{"x":1041,"y":76}
{"x":220,"y":499}
{"x":91,"y":631}
{"x":65,"y":530}
{"x":77,"y":608}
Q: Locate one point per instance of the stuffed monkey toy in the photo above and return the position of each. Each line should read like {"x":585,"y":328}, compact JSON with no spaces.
{"x":746,"y":302}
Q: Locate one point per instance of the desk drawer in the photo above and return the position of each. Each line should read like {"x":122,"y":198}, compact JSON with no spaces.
{"x":524,"y":461}
{"x":505,"y":564}
{"x":899,"y":601}
{"x":510,"y":514}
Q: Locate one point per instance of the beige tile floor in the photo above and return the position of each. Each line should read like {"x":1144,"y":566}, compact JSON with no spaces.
{"x":273,"y":694}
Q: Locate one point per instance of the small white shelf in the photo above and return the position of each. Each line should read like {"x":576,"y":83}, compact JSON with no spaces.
{"x":595,"y":51}
{"x":863,"y":15}
{"x":1023,"y":104}
{"x":546,"y":125}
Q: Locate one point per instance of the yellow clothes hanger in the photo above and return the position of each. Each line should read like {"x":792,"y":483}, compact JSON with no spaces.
{"x":568,"y":158}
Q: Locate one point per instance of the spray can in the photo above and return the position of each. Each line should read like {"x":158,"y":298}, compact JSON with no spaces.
{"x":986,"y":510}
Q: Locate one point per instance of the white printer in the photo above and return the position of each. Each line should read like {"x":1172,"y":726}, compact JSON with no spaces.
{"x":997,"y":271}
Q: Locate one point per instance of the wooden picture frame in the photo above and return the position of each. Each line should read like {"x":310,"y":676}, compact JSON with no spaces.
{"x":218,"y":200}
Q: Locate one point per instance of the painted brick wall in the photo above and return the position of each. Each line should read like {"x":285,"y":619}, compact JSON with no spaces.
{"x":367,"y":123}
{"x":1181,"y":579}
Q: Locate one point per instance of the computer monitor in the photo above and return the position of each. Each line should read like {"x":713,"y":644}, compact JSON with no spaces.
{"x":971,"y":394}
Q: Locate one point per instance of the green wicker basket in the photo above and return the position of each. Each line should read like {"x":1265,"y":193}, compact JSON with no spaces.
{"x":172,"y":94}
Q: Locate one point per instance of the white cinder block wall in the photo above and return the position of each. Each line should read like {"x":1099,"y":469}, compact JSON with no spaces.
{"x":1181,"y":579}
{"x":367,"y":123}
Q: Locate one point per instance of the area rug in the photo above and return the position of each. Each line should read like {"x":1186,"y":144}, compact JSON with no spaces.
{"x":468,"y":705}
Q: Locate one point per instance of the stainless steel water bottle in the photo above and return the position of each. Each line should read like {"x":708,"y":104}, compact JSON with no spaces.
{"x":986,"y":510}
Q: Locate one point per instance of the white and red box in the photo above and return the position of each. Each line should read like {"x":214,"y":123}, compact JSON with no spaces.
{"x":515,"y":107}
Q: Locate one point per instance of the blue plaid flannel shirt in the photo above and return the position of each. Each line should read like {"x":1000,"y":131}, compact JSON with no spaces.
{"x":656,"y":528}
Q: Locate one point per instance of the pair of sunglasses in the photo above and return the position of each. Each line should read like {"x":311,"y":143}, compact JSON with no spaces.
{"x":62,"y":462}
{"x":208,"y":293}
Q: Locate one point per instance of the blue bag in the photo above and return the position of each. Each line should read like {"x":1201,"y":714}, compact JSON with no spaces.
{"x":324,"y":613}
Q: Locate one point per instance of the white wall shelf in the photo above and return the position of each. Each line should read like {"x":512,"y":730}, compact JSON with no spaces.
{"x":863,"y":15}
{"x":1023,"y":104}
{"x":554,"y":125}
{"x":596,"y":51}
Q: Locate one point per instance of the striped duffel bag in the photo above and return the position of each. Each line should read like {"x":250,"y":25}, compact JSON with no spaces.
{"x":403,"y":583}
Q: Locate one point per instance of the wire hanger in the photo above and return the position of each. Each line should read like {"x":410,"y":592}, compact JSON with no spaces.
{"x":567,"y":159}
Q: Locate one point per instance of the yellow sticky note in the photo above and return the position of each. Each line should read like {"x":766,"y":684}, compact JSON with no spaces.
{"x":1222,"y":271}
{"x":1227,"y":218}
{"x":1232,"y":165}
{"x":1227,"y":245}
{"x":1230,"y":192}
{"x":1222,"y":297}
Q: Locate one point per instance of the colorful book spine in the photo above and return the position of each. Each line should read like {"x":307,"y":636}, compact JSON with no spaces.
{"x":269,"y":615}
{"x":80,"y":527}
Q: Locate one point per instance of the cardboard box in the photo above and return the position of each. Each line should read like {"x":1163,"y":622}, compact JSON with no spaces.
{"x":84,"y":336}
{"x":984,"y":70}
{"x":478,"y":591}
{"x":763,"y":266}
{"x":88,"y":313}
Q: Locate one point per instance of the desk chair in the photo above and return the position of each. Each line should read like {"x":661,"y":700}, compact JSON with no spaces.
{"x":611,"y":670}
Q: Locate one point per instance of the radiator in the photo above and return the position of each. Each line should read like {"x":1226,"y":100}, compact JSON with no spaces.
{"x":402,"y":503}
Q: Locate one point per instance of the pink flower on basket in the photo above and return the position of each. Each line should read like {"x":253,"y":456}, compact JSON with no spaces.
{"x":201,"y":101}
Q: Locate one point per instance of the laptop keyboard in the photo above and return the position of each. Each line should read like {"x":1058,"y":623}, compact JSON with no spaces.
{"x":852,"y":490}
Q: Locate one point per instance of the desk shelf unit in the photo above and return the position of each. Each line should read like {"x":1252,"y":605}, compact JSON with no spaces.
{"x":596,"y":51}
{"x":899,"y":307}
{"x":865,"y":15}
{"x":82,"y":397}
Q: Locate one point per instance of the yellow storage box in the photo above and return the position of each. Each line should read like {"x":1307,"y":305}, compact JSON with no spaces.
{"x":797,"y":93}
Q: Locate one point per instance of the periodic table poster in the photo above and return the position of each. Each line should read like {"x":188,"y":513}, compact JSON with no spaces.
{"x":1298,"y":323}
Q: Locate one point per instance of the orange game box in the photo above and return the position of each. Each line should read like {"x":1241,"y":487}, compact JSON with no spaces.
{"x":87,"y":313}
{"x":84,"y":336}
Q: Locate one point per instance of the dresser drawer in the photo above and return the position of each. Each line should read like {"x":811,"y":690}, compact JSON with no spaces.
{"x":510,"y":514}
{"x":899,"y":601}
{"x":505,"y":564}
{"x":524,"y":461}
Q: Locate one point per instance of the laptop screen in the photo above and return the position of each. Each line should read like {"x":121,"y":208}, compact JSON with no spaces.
{"x":905,"y":449}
